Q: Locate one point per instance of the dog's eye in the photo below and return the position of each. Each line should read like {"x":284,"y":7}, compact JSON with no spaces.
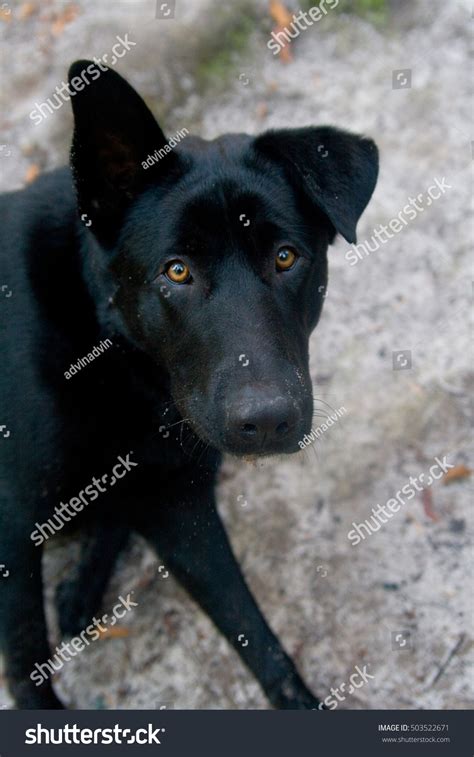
{"x":178,"y":272}
{"x":285,"y":259}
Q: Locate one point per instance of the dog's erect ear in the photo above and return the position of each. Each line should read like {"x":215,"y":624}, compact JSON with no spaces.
{"x":336,"y":170}
{"x":114,"y":132}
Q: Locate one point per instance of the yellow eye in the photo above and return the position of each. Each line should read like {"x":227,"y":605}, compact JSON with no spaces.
{"x":178,"y":272}
{"x":285,"y":259}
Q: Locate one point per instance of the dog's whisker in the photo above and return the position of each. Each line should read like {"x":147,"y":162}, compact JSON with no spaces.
{"x":320,"y":399}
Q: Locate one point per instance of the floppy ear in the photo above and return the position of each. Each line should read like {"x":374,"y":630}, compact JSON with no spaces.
{"x":335,"y":169}
{"x":114,"y":132}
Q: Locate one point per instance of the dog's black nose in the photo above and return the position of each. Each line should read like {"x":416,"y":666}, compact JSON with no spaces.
{"x":260,"y":418}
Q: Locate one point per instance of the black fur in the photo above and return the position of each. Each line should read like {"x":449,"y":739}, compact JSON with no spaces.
{"x":175,"y":389}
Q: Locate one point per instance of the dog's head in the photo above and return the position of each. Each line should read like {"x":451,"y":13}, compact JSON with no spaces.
{"x":214,"y":254}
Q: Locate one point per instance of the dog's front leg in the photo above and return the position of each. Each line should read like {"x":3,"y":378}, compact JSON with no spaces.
{"x":190,"y":538}
{"x":23,"y":632}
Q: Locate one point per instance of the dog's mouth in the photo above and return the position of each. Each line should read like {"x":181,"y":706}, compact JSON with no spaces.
{"x":266,"y":448}
{"x":247,"y":453}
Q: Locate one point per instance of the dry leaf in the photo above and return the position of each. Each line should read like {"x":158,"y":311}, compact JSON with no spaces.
{"x":454,"y":474}
{"x":114,"y":632}
{"x":32,"y":173}
{"x":5,"y":13}
{"x":27,"y":10}
{"x":64,"y":18}
{"x":285,"y":53}
{"x":262,"y":110}
{"x":283,"y":18}
{"x":427,"y":499}
{"x":280,"y":14}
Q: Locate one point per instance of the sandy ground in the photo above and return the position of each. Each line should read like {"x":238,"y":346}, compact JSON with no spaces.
{"x":333,"y":604}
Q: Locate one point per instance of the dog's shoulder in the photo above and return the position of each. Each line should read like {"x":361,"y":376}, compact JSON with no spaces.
{"x":38,"y":260}
{"x":36,"y":219}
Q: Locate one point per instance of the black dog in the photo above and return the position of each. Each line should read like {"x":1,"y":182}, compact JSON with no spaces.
{"x":201,"y":277}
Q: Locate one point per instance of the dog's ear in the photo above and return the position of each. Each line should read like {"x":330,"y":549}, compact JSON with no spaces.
{"x":335,"y":169}
{"x":114,"y":132}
